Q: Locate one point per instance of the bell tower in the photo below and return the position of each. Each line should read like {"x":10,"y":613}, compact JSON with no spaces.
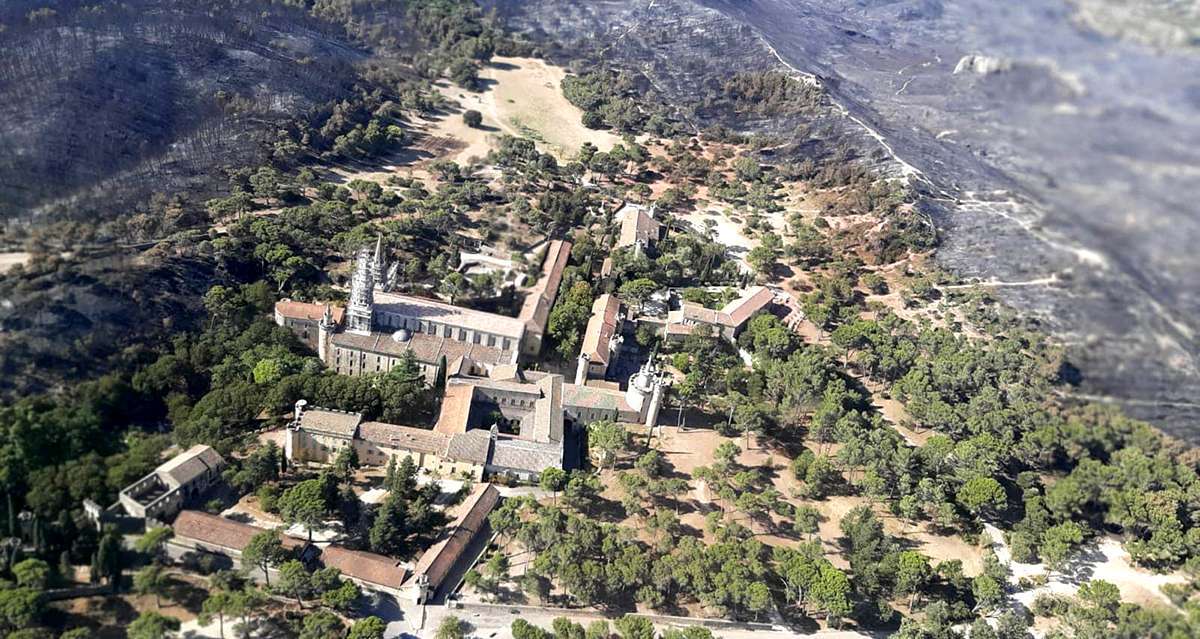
{"x":324,"y":331}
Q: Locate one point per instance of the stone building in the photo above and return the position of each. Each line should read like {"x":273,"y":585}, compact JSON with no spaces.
{"x":181,"y":481}
{"x":304,"y":319}
{"x":601,"y":339}
{"x":535,"y":310}
{"x":728,"y":322}
{"x":201,"y":537}
{"x":639,"y":229}
{"x":435,"y":571}
{"x":318,"y":435}
{"x":378,"y":327}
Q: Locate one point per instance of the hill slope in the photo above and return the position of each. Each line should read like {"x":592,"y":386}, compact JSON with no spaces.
{"x":101,"y":105}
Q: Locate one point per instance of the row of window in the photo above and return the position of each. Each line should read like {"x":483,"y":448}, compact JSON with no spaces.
{"x":445,"y":330}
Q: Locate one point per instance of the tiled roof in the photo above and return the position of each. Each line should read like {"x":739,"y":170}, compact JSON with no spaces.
{"x":456,"y":409}
{"x":417,"y":440}
{"x":334,"y":422}
{"x":426,"y":348}
{"x":219,"y":531}
{"x":529,"y":456}
{"x":698,"y":313}
{"x":675,"y":328}
{"x":600,"y":328}
{"x":511,"y":385}
{"x":473,"y":446}
{"x":752,"y":301}
{"x":442,"y":313}
{"x":590,"y":397}
{"x":309,"y":311}
{"x":637,"y":225}
{"x":547,"y":423}
{"x":436,"y":562}
{"x":535,"y":310}
{"x":365,"y":566}
{"x":733,"y":314}
{"x":188,"y":465}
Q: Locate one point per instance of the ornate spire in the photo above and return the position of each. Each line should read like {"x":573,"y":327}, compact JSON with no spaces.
{"x":378,"y":262}
{"x":362,"y":294}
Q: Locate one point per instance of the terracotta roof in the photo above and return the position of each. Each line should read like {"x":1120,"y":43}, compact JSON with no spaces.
{"x":188,"y":465}
{"x":334,"y":422}
{"x":456,"y":409}
{"x":426,"y":348}
{"x":698,"y":313}
{"x":436,"y":562}
{"x":221,"y":532}
{"x":417,"y":440}
{"x":600,"y":328}
{"x":364,"y":566}
{"x":752,"y":301}
{"x":473,"y":446}
{"x":535,"y":310}
{"x":442,"y":313}
{"x":733,"y":314}
{"x":637,"y":225}
{"x":310,"y":311}
{"x":675,"y":328}
{"x":543,"y":392}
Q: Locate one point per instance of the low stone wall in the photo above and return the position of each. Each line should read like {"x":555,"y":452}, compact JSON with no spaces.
{"x":91,"y":590}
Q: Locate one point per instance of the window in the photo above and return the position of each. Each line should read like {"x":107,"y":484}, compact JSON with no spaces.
{"x":506,"y":343}
{"x":475,"y":337}
{"x":491,"y":340}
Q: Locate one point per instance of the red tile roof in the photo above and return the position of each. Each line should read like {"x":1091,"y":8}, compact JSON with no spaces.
{"x":364,"y":566}
{"x":404,"y":437}
{"x":600,"y":328}
{"x":754,"y":300}
{"x":456,"y":409}
{"x":218,"y":531}
{"x":436,"y":562}
{"x":535,"y":310}
{"x":310,"y":311}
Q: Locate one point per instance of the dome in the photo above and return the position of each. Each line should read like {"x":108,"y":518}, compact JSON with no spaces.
{"x":402,"y":335}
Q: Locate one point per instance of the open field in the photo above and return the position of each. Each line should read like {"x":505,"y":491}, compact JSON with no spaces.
{"x":523,"y":97}
{"x":9,"y":260}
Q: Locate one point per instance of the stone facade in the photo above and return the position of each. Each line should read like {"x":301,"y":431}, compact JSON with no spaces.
{"x":181,"y":481}
{"x":317,"y":435}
